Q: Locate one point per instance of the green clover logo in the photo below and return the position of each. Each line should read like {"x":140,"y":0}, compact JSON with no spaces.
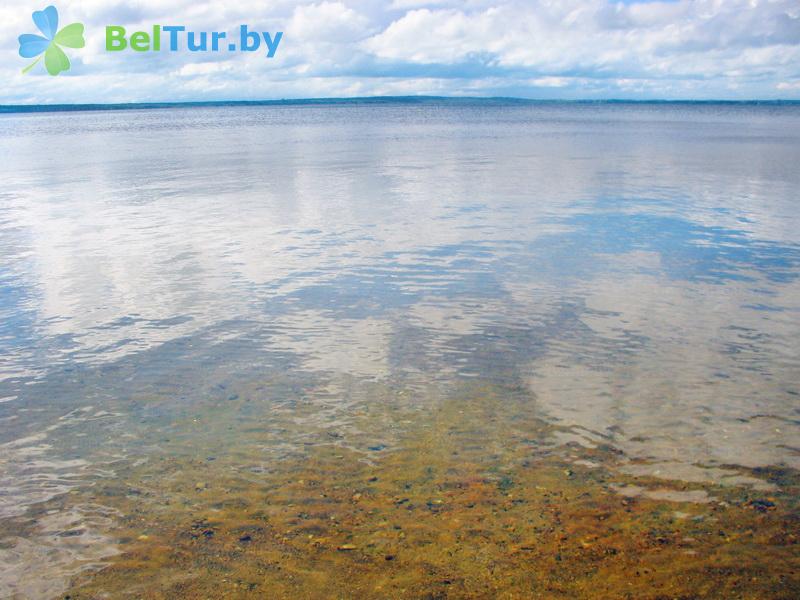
{"x":55,"y":60}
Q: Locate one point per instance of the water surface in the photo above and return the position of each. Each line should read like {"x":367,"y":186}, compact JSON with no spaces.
{"x":203,"y":310}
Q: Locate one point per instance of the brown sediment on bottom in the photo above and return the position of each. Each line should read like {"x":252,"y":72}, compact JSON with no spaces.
{"x":468,"y":505}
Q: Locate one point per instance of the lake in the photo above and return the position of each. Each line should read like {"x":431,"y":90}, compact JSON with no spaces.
{"x":432,"y":349}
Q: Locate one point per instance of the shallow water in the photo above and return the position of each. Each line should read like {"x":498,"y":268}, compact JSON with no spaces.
{"x":438,"y":350}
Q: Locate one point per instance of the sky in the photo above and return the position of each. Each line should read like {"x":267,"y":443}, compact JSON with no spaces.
{"x":569,"y":49}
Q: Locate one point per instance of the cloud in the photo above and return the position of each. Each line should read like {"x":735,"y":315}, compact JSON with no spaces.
{"x":533,"y":48}
{"x":327,"y":22}
{"x":655,"y":40}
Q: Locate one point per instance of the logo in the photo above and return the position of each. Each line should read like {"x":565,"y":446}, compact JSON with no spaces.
{"x":52,"y":41}
{"x":194,"y":41}
{"x":32,"y":45}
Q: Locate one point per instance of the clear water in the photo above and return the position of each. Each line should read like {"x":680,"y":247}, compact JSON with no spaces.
{"x":243,"y":282}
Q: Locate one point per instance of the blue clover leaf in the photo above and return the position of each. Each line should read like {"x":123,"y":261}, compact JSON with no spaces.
{"x":47,"y":21}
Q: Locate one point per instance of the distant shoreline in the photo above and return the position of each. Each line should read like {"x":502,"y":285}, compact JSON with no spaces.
{"x":373,"y":100}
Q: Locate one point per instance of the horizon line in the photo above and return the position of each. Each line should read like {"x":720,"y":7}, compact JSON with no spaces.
{"x":99,"y":106}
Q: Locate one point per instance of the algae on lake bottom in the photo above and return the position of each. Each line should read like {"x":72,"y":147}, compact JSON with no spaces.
{"x":474,"y":499}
